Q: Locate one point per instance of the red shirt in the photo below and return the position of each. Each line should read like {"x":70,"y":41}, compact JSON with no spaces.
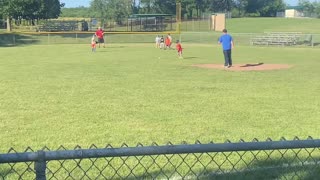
{"x":99,"y":33}
{"x":168,"y":41}
{"x":93,"y":44}
{"x":178,"y":47}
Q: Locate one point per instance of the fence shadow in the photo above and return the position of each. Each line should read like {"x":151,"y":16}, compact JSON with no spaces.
{"x":9,"y":40}
{"x":271,"y":169}
{"x":5,"y":172}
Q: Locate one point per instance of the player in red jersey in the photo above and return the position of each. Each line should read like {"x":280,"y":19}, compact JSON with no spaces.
{"x":99,"y":34}
{"x":179,"y":49}
{"x":93,"y":43}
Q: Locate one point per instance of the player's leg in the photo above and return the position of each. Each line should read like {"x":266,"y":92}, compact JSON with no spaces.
{"x":229,"y":58}
{"x":226,"y":59}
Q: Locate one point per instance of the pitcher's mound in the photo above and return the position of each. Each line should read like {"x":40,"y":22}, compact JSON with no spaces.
{"x":246,"y":67}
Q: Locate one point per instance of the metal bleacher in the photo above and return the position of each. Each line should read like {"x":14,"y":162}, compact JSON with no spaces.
{"x":277,"y":38}
{"x":57,"y":26}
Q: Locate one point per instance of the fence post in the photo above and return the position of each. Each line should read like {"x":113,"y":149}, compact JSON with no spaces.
{"x":14,"y":39}
{"x":40,"y":166}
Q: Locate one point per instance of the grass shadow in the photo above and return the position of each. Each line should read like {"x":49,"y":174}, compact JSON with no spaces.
{"x":189,"y":57}
{"x":5,"y":172}
{"x":9,"y":40}
{"x":251,"y":65}
{"x":270,"y":169}
{"x":316,"y":44}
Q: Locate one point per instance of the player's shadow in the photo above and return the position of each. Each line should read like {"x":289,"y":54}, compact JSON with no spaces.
{"x":115,"y":47}
{"x":189,"y":57}
{"x":250,"y":65}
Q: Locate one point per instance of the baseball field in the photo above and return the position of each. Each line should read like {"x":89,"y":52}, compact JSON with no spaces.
{"x":54,"y":91}
{"x":55,"y":95}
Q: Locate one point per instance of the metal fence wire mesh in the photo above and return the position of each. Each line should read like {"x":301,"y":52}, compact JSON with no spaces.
{"x":252,"y":160}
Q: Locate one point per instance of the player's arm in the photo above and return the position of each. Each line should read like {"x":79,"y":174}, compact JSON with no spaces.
{"x":232,"y":43}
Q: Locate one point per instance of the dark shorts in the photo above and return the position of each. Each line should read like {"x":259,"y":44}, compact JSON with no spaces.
{"x":100,"y":40}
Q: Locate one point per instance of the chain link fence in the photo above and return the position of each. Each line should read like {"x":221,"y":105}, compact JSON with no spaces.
{"x":284,"y":159}
{"x":244,"y":39}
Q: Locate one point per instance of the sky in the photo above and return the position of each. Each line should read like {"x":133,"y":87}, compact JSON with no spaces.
{"x":86,"y":3}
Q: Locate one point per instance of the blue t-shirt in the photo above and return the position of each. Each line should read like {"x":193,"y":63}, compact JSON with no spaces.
{"x":226,"y":40}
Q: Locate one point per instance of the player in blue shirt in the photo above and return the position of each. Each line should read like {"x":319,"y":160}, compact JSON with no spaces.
{"x":227,"y":44}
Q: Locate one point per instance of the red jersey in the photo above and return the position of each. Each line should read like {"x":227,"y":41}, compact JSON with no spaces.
{"x":178,"y":47}
{"x":93,"y":44}
{"x":168,"y":41}
{"x":99,"y":33}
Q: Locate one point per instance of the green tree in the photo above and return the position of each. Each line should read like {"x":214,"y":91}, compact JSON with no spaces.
{"x":220,"y":5}
{"x":240,"y":5}
{"x":188,"y":6}
{"x":76,"y":12}
{"x":265,"y":8}
{"x":49,"y":9}
{"x":9,"y":9}
{"x":317,"y":9}
{"x":308,"y":7}
{"x":29,"y":9}
{"x":111,"y":9}
{"x":157,"y":7}
{"x":201,"y":6}
{"x":119,"y":9}
{"x":99,"y":7}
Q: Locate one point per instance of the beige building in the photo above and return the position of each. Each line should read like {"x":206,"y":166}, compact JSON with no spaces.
{"x":293,"y":13}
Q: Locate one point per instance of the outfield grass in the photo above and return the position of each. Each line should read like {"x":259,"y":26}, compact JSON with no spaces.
{"x":65,"y":95}
{"x":260,"y":25}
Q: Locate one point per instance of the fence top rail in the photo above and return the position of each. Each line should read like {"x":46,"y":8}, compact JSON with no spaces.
{"x":283,"y":32}
{"x":91,"y":32}
{"x":157,"y":150}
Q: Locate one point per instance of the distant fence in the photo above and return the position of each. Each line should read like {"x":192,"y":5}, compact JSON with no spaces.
{"x":284,"y":159}
{"x":147,"y":24}
{"x":16,"y":39}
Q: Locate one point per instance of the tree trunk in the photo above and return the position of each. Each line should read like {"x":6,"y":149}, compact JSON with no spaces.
{"x":8,"y":24}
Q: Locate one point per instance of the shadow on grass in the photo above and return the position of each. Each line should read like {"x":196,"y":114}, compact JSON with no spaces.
{"x":115,"y":47}
{"x":316,"y":44}
{"x":283,"y":168}
{"x":271,"y":169}
{"x":9,"y":40}
{"x":250,"y":65}
{"x":189,"y":57}
{"x":5,"y":172}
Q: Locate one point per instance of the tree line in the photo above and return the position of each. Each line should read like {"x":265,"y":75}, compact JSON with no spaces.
{"x":33,"y":10}
{"x":189,"y":8}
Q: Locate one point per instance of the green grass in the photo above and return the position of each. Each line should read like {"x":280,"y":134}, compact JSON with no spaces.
{"x":260,"y":25}
{"x":53,"y":95}
{"x":66,"y":95}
